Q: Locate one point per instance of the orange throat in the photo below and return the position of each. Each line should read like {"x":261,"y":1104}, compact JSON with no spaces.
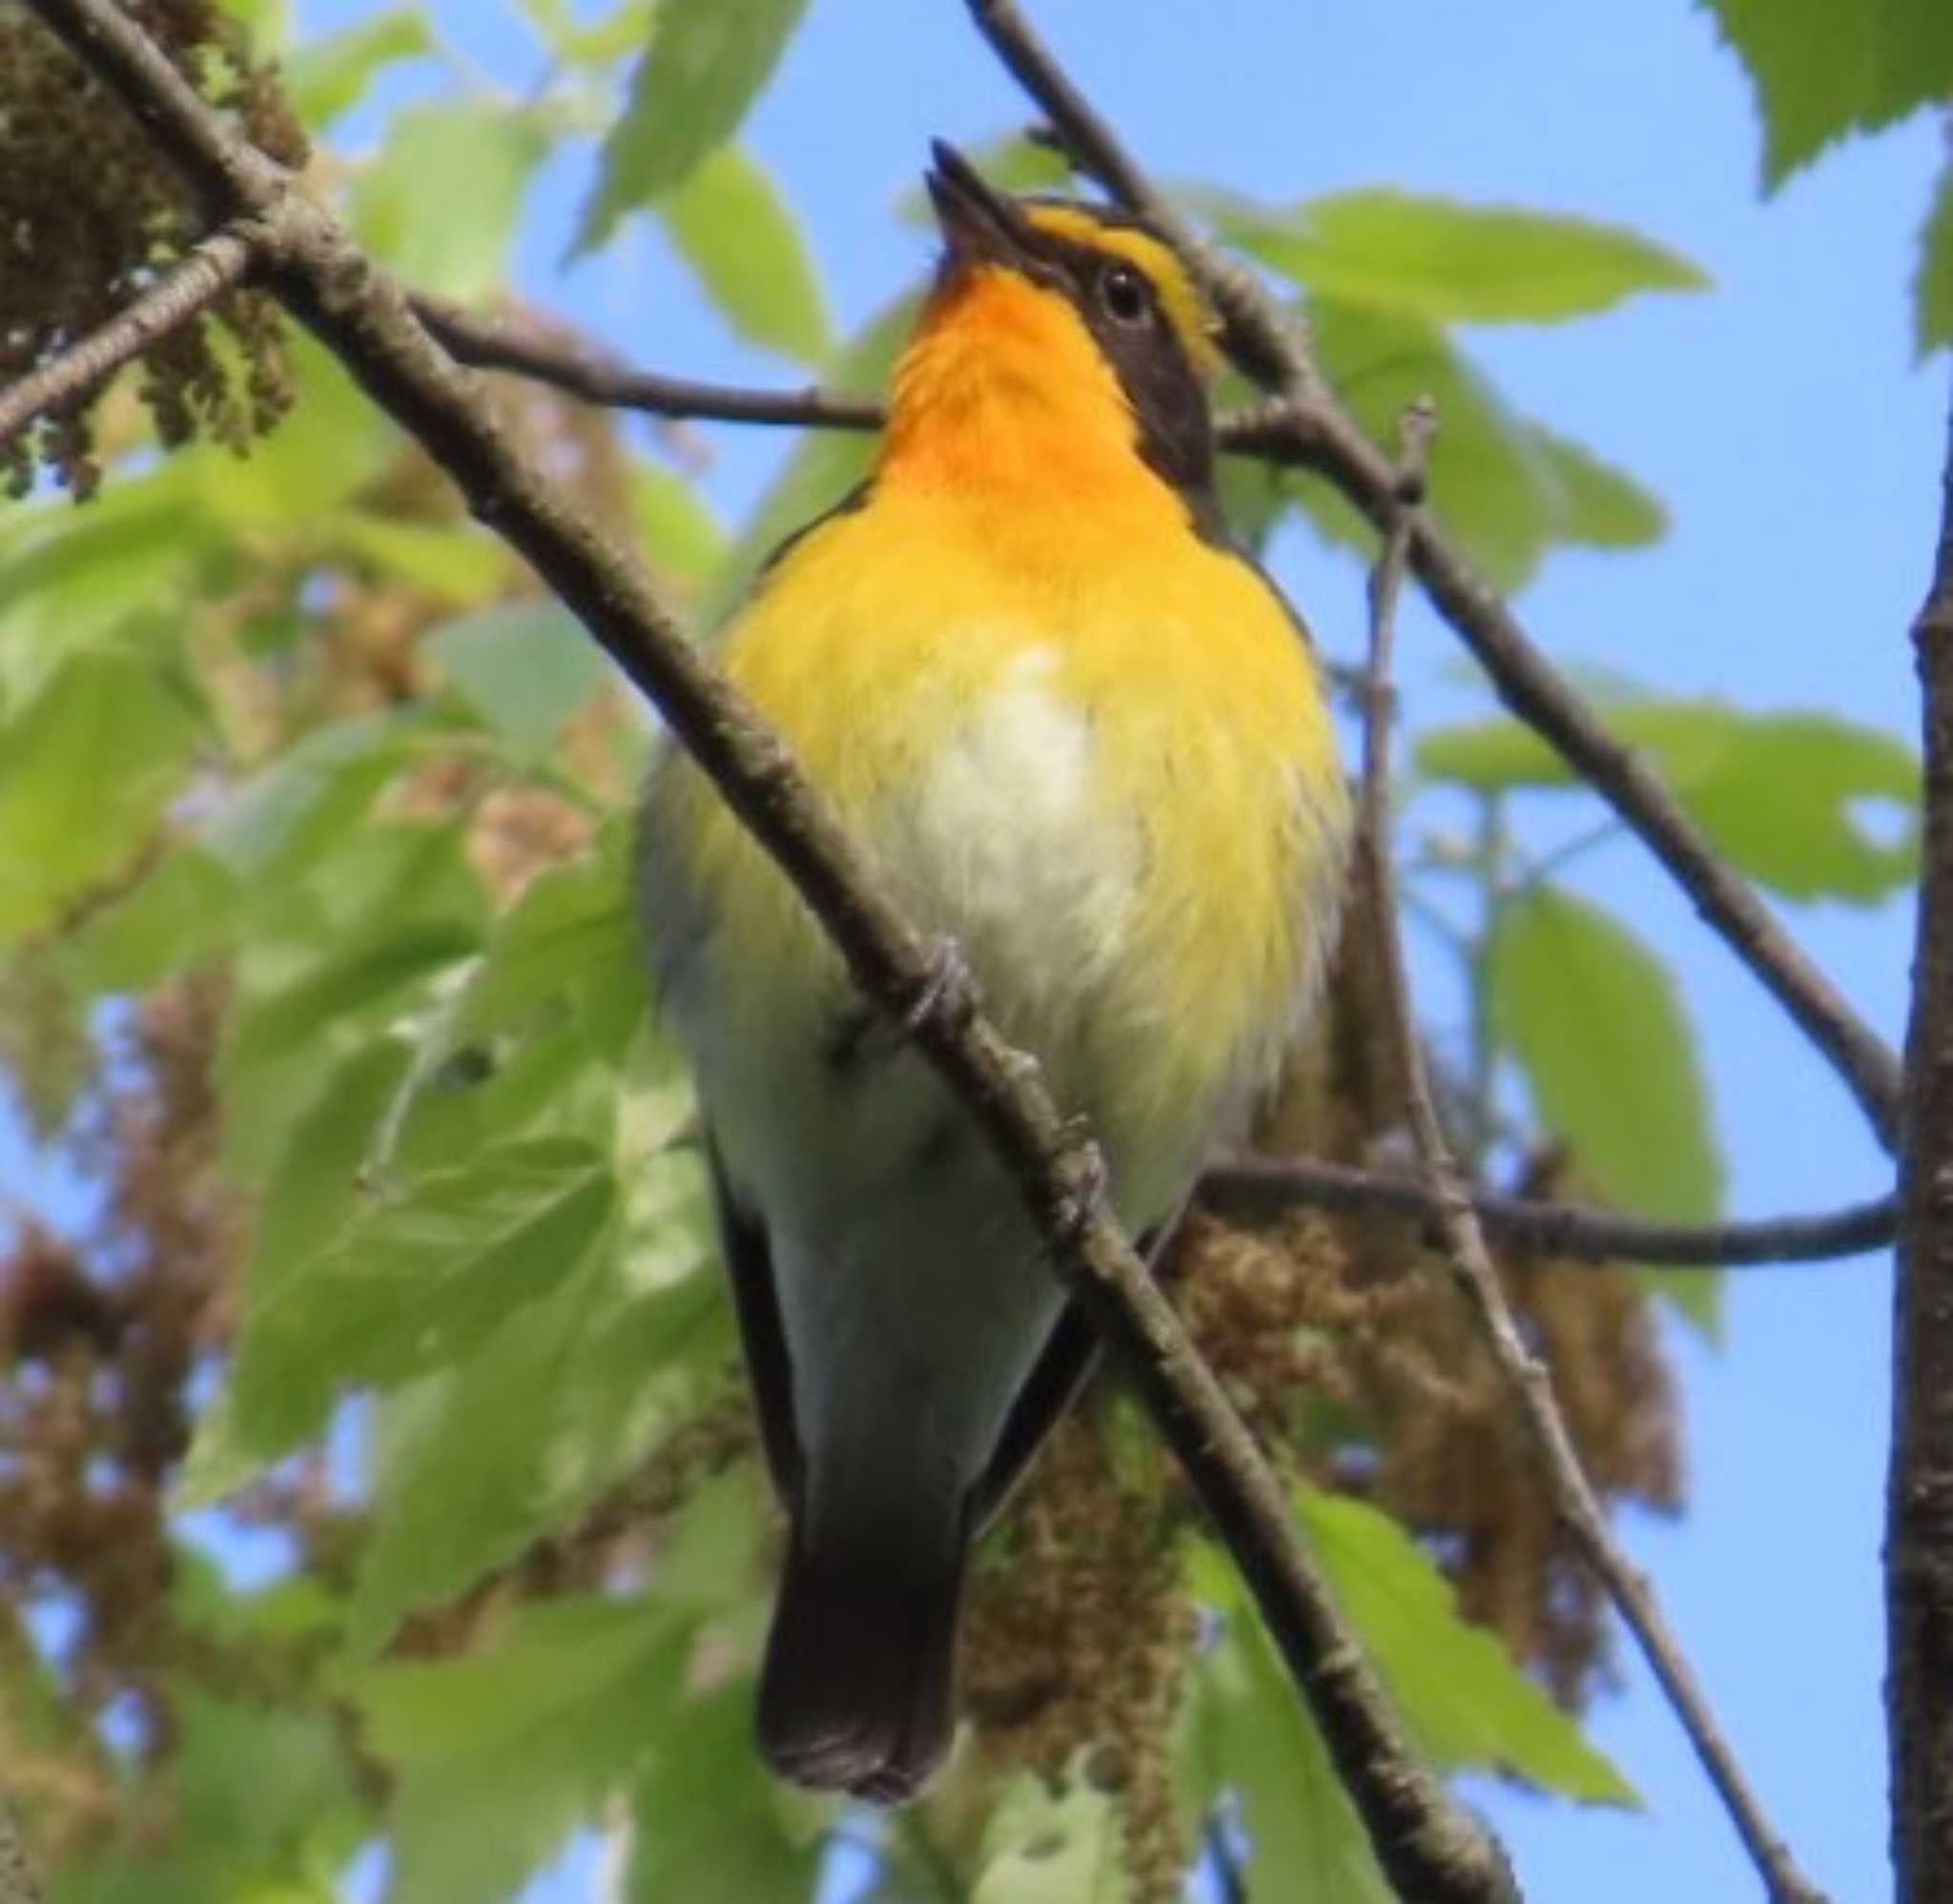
{"x":1002,"y":391}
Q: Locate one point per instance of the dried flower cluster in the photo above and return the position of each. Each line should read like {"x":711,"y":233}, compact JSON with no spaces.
{"x":91,"y":213}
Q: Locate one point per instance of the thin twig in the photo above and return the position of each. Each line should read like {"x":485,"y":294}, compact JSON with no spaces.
{"x":1263,"y":1186}
{"x":195,"y":281}
{"x":1302,"y":423}
{"x":581,"y":370}
{"x":1579,"y":1510}
{"x":1428,"y":1846}
{"x":1919,"y":1500}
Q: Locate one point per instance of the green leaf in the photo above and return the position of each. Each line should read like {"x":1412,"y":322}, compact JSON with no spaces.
{"x":92,"y":762}
{"x":1042,"y":1848}
{"x":1447,"y":262}
{"x":1461,"y":1694}
{"x":1822,"y":70}
{"x":569,"y":939}
{"x":702,"y":72}
{"x":1783,"y":796}
{"x":310,"y":1190}
{"x":280,"y":820}
{"x":375,"y":935}
{"x":524,"y":668}
{"x":557,"y":1405}
{"x":1308,"y":1843}
{"x":499,"y":1754}
{"x":262,"y":1807}
{"x":180,"y":913}
{"x":1598,"y":1027}
{"x":328,"y":76}
{"x":705,"y":1804}
{"x":1599,"y":506}
{"x":415,"y":1279}
{"x":1490,"y":479}
{"x":728,"y":221}
{"x":439,"y":206}
{"x":1932,"y":287}
{"x":675,"y":527}
{"x":825,"y":466}
{"x":456,"y":562}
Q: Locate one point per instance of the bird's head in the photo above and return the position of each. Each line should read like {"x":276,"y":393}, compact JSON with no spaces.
{"x":1051,"y":314}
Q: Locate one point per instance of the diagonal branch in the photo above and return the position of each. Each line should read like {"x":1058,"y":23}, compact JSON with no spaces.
{"x":582,"y":370}
{"x":219,"y":264}
{"x":1303,"y":423}
{"x":1579,"y":1509}
{"x":1252,"y":1185}
{"x":1430,"y":1848}
{"x":1919,"y":1501}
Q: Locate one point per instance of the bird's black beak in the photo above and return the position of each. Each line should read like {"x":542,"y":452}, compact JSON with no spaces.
{"x":979,"y":226}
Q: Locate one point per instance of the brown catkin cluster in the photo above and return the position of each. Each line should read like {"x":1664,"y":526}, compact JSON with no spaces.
{"x":1076,"y":1645}
{"x":99,"y":1336}
{"x":90,"y":212}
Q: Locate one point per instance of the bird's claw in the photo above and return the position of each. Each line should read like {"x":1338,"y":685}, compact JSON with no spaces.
{"x":1081,"y":1198}
{"x":948,"y":991}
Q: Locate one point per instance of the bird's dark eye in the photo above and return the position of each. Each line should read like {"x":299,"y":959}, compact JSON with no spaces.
{"x":1125,"y":295}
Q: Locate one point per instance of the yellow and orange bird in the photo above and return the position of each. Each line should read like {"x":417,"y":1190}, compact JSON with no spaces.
{"x":1083,"y":739}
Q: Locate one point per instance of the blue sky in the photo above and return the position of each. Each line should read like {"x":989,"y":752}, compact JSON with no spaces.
{"x":1782,"y":419}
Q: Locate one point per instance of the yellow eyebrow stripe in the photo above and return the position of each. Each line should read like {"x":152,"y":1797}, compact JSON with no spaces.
{"x":1189,"y":312}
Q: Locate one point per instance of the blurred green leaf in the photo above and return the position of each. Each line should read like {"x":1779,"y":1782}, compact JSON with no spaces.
{"x":569,"y":938}
{"x":455,"y":562}
{"x":311,"y":1189}
{"x":1044,"y":1847}
{"x":675,"y":527}
{"x":1783,"y":796}
{"x":1599,"y":506}
{"x":264,"y":1809}
{"x":93,"y":760}
{"x":175,"y":915}
{"x":1461,"y":1694}
{"x":420,"y":1274}
{"x":499,"y":1754}
{"x":707,"y":1803}
{"x":330,"y":76}
{"x":1445,"y":261}
{"x":71,"y":580}
{"x":1308,"y":1845}
{"x":1596,"y":1024}
{"x":334,"y":439}
{"x":285,"y":814}
{"x":374,"y":936}
{"x":729,"y":223}
{"x":1822,"y":70}
{"x":825,"y":465}
{"x":1491,"y":478}
{"x":1932,"y":285}
{"x":702,"y":72}
{"x":559,"y":1402}
{"x":524,"y":667}
{"x":439,"y":204}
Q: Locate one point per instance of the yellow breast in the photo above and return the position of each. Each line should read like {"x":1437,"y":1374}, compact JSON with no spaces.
{"x":1088,"y":745}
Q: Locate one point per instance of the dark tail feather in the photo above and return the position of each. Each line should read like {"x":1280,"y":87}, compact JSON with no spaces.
{"x":855,"y":1693}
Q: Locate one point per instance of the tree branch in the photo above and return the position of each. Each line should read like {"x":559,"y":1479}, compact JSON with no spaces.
{"x":1305,"y":424}
{"x":1264,"y":1186}
{"x":1430,"y":1848}
{"x":1918,"y":1504}
{"x":219,"y":264}
{"x":495,"y":343}
{"x":1579,"y":1509}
